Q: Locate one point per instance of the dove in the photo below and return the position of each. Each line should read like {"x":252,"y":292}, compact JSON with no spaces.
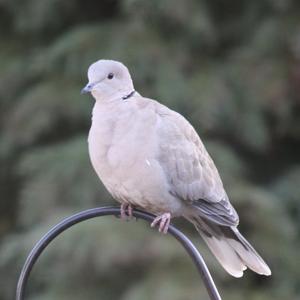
{"x":150,"y":157}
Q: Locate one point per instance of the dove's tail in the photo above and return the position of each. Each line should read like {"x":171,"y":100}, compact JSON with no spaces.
{"x":230,"y":248}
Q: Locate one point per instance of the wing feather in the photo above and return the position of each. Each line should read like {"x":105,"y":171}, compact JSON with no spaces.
{"x":191,"y":173}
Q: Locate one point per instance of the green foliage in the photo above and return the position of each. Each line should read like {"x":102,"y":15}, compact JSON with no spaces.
{"x":231,"y":67}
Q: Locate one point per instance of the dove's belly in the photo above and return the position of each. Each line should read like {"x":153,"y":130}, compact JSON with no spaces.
{"x":130,"y":170}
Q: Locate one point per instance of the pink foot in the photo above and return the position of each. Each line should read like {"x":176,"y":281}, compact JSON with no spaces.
{"x":164,"y":222}
{"x":126,"y":211}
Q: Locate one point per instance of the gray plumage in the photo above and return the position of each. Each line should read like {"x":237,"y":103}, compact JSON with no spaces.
{"x":151,"y":157}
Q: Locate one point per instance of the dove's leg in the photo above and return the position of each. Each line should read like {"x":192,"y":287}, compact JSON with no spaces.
{"x":164,"y":222}
{"x":126,"y":211}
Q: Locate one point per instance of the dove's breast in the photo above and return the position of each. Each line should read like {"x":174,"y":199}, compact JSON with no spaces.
{"x":123,"y":148}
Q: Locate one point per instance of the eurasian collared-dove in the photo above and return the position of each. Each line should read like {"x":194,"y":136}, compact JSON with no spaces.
{"x":151,"y":157}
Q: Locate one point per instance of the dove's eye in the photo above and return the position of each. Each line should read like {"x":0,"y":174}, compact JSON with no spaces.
{"x":110,"y":76}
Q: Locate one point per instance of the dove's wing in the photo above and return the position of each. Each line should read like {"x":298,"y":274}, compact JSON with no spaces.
{"x":190,"y":170}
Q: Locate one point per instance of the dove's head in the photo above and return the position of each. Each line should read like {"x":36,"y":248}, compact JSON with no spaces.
{"x":108,"y":80}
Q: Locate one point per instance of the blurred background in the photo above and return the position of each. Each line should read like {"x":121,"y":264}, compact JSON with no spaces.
{"x":232,"y":68}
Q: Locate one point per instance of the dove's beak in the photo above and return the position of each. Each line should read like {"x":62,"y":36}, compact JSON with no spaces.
{"x":87,"y":89}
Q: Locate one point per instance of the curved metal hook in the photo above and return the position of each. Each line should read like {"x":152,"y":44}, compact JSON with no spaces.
{"x":104,"y":211}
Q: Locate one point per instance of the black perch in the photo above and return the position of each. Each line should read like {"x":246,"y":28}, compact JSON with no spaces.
{"x":105,"y":211}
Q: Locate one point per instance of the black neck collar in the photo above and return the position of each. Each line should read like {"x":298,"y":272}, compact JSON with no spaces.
{"x":129,"y":95}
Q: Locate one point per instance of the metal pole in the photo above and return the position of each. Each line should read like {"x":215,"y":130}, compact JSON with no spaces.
{"x":105,"y":211}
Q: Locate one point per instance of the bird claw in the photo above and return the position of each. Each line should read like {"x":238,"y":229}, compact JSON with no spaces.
{"x":163,"y":221}
{"x":126,"y":211}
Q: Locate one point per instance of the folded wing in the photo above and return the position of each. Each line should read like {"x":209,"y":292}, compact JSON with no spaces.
{"x":190,"y":170}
